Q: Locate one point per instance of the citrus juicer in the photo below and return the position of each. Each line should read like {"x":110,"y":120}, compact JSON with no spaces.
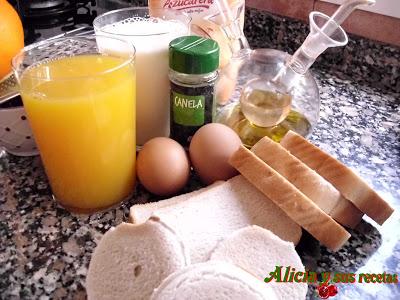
{"x":266,"y":92}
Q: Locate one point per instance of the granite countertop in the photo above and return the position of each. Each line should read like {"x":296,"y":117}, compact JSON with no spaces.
{"x":45,"y":250}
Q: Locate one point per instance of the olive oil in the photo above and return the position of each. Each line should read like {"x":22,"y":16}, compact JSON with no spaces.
{"x":265,"y":108}
{"x":250,"y":133}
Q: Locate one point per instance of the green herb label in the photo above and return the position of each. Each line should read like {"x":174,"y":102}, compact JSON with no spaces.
{"x":188,"y":110}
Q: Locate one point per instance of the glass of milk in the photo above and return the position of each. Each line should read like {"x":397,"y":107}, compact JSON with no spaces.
{"x":150,"y":31}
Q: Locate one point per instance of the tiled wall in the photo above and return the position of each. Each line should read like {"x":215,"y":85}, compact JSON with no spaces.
{"x":367,"y":24}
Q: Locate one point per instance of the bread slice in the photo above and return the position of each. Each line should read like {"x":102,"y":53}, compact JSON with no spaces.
{"x":259,"y":251}
{"x":341,"y":177}
{"x":210,"y":216}
{"x":132,"y":260}
{"x":309,"y":182}
{"x":213,"y":280}
{"x":293,"y":202}
{"x":140,"y":213}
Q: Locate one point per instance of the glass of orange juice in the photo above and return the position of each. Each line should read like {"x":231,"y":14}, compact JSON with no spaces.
{"x":80,"y":103}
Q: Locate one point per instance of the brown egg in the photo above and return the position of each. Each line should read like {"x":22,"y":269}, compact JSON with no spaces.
{"x":210,"y":149}
{"x":163,"y":166}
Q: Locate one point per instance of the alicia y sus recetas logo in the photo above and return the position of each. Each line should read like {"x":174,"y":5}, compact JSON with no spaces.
{"x":326,"y":287}
{"x":185,"y":4}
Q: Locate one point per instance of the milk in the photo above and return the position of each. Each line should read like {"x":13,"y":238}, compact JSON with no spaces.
{"x":151,"y":37}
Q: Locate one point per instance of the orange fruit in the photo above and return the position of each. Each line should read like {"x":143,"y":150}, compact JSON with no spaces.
{"x":11,"y":36}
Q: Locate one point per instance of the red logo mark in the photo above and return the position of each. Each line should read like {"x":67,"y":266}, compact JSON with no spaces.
{"x":325,"y":291}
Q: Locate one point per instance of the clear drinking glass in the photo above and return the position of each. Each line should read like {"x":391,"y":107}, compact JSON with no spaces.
{"x":150,"y":31}
{"x":80,"y":103}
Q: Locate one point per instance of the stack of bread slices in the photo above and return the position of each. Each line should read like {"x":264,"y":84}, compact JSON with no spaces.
{"x":220,"y":242}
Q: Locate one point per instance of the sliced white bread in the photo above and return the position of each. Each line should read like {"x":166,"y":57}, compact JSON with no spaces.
{"x":210,"y":216}
{"x":309,"y":182}
{"x":259,"y":251}
{"x":351,"y":186}
{"x":293,"y":202}
{"x":140,"y":213}
{"x":132,"y":260}
{"x":213,"y":280}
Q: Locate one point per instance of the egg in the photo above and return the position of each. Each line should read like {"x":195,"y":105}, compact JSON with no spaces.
{"x":210,"y":149}
{"x":163,"y":166}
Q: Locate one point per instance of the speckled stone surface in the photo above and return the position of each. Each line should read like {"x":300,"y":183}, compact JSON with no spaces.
{"x":45,"y":250}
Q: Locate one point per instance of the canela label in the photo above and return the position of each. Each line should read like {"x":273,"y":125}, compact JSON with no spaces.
{"x":188,"y":110}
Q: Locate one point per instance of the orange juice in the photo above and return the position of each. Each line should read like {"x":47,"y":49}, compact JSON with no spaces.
{"x":83,"y":120}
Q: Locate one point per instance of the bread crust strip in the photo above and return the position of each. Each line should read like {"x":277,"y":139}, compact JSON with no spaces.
{"x":350,"y":185}
{"x":293,"y":202}
{"x":309,"y":182}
